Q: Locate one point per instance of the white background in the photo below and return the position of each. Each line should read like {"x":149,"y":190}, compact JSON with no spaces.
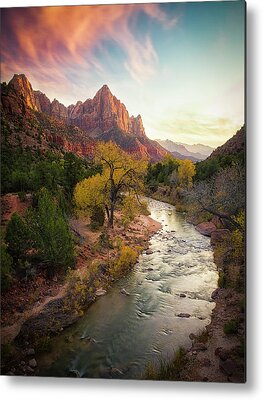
{"x":42,"y":388}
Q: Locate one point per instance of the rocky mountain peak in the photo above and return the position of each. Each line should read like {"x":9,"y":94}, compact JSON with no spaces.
{"x":58,"y":110}
{"x":21,"y":85}
{"x":136,"y":126}
{"x":105,"y":88}
{"x":104,"y":92}
{"x":102,"y":118}
{"x":42,"y":102}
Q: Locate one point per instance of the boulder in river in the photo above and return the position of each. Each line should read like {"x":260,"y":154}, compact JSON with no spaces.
{"x":124,"y":291}
{"x":115,"y":371}
{"x":30,"y":352}
{"x":73,"y":373}
{"x":206,"y":228}
{"x":148,"y":252}
{"x":29,"y":370}
{"x":183,"y":315}
{"x":88,"y":338}
{"x":100,"y":292}
{"x":32,"y":363}
{"x":215,"y":294}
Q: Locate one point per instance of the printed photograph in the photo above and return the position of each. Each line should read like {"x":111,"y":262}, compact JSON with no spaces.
{"x":123,"y":191}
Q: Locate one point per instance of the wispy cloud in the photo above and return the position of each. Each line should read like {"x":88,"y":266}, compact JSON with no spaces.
{"x":187,"y":83}
{"x":49,"y":41}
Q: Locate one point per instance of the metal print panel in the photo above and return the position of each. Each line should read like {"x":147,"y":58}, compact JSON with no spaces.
{"x":123,"y":191}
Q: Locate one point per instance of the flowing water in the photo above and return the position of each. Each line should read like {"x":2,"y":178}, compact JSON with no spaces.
{"x":125,"y":332}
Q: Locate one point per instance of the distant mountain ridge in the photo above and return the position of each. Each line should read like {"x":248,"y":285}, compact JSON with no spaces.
{"x":194,"y":152}
{"x":199,"y":148}
{"x":102,"y":118}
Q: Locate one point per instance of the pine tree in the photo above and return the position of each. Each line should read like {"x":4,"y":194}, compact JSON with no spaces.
{"x":17,"y":236}
{"x":53,"y":239}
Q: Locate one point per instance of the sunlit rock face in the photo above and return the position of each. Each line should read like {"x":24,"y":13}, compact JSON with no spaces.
{"x":102,"y":118}
{"x":54,"y":108}
{"x":81,"y":148}
{"x":42,"y":102}
{"x":22,"y":87}
{"x":104,"y":112}
{"x":96,"y":115}
{"x":59,"y":111}
{"x":106,"y":118}
{"x":136,"y":126}
{"x":45,"y":130}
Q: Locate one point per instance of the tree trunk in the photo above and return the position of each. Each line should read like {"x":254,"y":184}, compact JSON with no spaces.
{"x":107,"y":212}
{"x":111,"y":215}
{"x":224,"y":216}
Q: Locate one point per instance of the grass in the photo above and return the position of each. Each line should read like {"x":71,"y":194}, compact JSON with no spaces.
{"x":43,"y":344}
{"x":167,"y":370}
{"x":202,"y":337}
{"x":231,"y":327}
{"x":242,"y":305}
{"x":222,"y":280}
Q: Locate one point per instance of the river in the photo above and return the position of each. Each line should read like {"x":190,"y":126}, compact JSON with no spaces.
{"x":129,"y":331}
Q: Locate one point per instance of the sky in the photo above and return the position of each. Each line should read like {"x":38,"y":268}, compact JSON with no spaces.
{"x":179,"y":65}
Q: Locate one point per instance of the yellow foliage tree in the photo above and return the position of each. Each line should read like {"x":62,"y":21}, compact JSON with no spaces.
{"x":186,"y":172}
{"x":121,"y":174}
{"x":89,"y":193}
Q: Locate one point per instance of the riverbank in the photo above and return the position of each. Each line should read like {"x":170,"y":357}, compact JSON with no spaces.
{"x":217,"y":354}
{"x":222,"y":358}
{"x":168,"y":297}
{"x":156,"y":289}
{"x":64,"y":302}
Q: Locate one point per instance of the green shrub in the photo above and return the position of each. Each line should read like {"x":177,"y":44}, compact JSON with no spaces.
{"x":238,"y":238}
{"x":25,"y":270}
{"x":7,"y":352}
{"x":97,"y":217}
{"x":52,"y":237}
{"x":45,"y":232}
{"x":127,"y":258}
{"x":231,"y":327}
{"x":104,"y":241}
{"x":242,"y":305}
{"x":222,"y":280}
{"x":43,"y":344}
{"x":125,"y":261}
{"x":167,"y":370}
{"x":17,"y":236}
{"x":6,"y":268}
{"x":22,"y":196}
{"x":118,"y":242}
{"x":202,"y":336}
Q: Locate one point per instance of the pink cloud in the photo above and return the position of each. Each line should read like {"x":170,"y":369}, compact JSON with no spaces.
{"x":46,"y":41}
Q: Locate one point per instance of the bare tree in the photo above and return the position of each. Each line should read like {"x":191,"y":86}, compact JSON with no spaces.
{"x":223,"y":195}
